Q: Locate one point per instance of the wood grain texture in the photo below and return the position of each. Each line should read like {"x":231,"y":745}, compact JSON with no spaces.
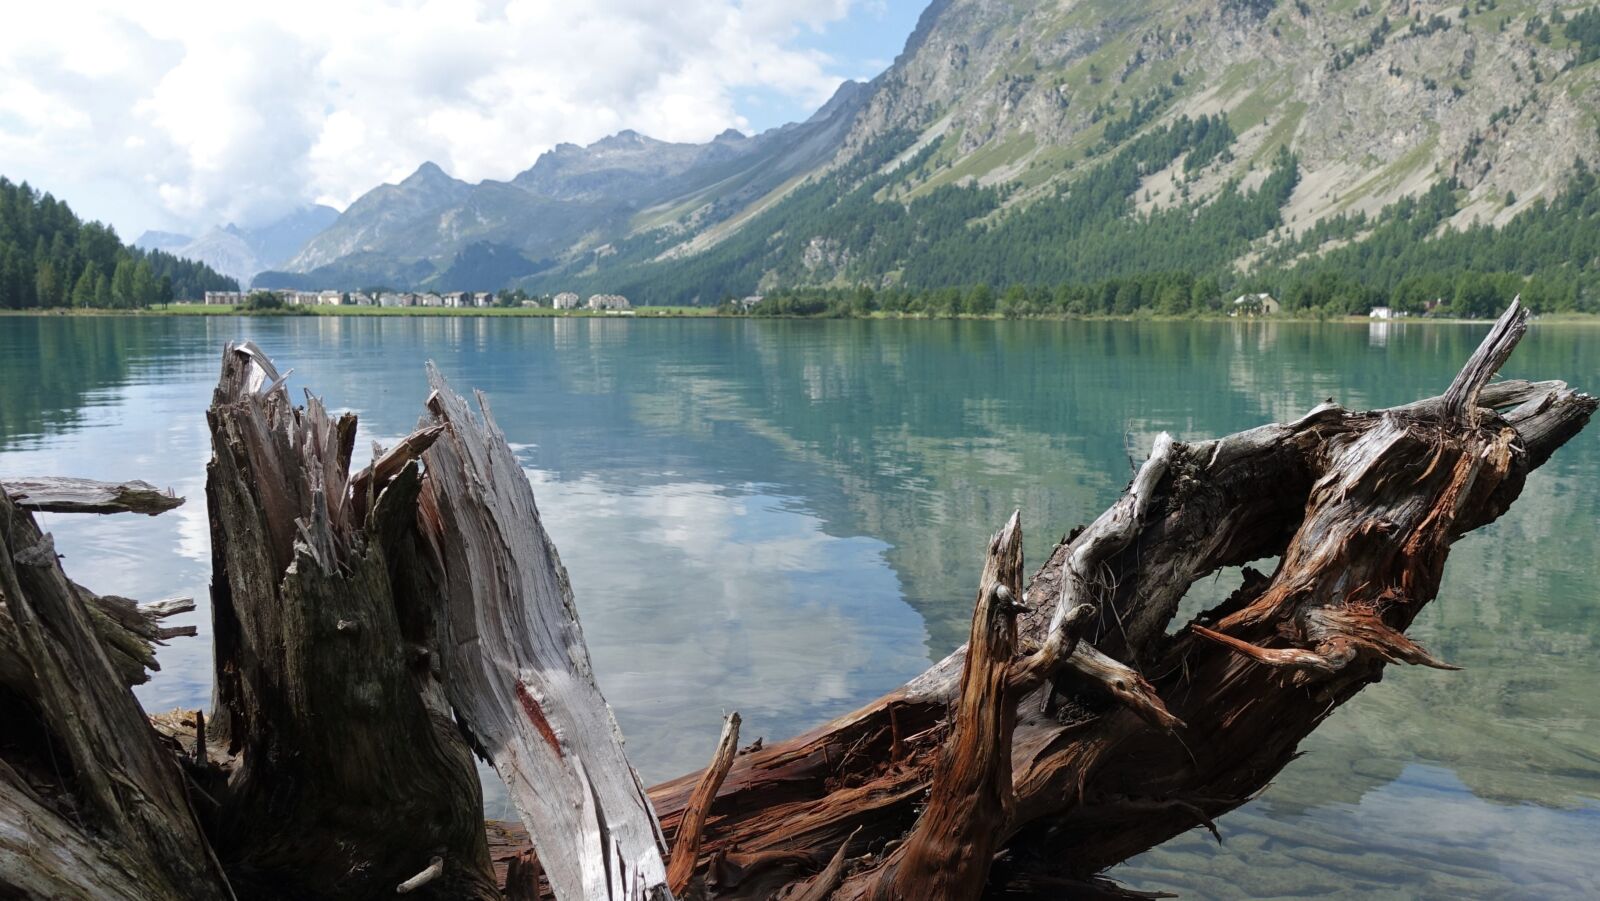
{"x":517,"y":672}
{"x":92,"y":805}
{"x":347,"y":772}
{"x":373,"y":628}
{"x":56,"y":494}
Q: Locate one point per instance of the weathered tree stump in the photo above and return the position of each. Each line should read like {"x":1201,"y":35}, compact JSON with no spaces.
{"x":348,"y":773}
{"x":374,"y":629}
{"x":92,"y":803}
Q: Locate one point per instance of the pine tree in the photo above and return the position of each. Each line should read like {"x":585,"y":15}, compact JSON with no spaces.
{"x":122,"y":283}
{"x":47,"y":286}
{"x":144,"y":284}
{"x":83,"y":291}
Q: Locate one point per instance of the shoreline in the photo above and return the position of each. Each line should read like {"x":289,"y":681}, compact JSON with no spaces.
{"x":201,"y":310}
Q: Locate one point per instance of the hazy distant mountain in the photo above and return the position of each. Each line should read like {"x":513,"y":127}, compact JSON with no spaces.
{"x":381,"y":215}
{"x":242,"y":252}
{"x":1041,"y":142}
{"x":170,"y":242}
{"x":571,"y":204}
{"x":225,"y":250}
{"x":278,"y":241}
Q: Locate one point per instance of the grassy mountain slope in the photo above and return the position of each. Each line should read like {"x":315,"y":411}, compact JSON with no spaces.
{"x":1042,"y":143}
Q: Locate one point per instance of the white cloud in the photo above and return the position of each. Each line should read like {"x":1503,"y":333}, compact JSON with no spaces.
{"x":190,"y":113}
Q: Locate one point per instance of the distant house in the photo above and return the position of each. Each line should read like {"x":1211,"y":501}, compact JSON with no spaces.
{"x":330,"y":298}
{"x":430,"y":299}
{"x":216,"y":298}
{"x":567,"y":300}
{"x":455,"y":299}
{"x":608,"y":302}
{"x":1255,"y":305}
{"x":362,"y":299}
{"x":483,"y":299}
{"x":1383,"y":313}
{"x":747,"y":303}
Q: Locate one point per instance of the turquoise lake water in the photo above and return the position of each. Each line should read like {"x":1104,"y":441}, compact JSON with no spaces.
{"x":787,"y":519}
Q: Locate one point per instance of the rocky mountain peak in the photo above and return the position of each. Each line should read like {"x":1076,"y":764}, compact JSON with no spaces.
{"x":1001,"y":107}
{"x":429,"y":174}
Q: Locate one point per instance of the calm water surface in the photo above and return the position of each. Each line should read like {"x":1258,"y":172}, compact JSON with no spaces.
{"x":787,"y":518}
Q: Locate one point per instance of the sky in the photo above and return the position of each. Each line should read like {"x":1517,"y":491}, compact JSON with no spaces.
{"x":180,"y":115}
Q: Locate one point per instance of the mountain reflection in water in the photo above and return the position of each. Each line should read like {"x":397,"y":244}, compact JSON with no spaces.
{"x":786,"y":518}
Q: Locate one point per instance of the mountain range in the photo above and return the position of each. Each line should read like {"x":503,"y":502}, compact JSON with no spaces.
{"x":1039,"y":141}
{"x":240,"y":253}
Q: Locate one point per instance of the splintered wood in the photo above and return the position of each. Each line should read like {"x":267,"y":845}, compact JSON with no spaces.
{"x":374,"y":630}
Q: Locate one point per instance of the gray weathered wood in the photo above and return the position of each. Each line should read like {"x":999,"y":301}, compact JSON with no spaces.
{"x":53,"y":494}
{"x":517,"y":672}
{"x":347,"y":774}
{"x":1096,"y":783}
{"x":92,"y":806}
{"x":371,"y":627}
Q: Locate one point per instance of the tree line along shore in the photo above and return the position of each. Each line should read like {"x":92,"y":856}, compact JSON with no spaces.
{"x":52,"y":261}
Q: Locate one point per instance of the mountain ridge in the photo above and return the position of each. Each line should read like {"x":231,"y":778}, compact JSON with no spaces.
{"x":996,"y":113}
{"x":569,"y":203}
{"x":241,"y":253}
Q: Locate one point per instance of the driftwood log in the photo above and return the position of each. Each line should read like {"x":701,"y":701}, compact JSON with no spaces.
{"x":59,"y":495}
{"x":375,"y":630}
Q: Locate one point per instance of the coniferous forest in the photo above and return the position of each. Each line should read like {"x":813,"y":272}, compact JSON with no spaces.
{"x":964,"y":249}
{"x":1085,"y":250}
{"x":49,"y":258}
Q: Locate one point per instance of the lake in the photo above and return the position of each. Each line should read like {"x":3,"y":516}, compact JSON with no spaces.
{"x":787,"y":518}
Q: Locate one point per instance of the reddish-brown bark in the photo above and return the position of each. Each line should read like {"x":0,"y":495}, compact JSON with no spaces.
{"x":386,"y":622}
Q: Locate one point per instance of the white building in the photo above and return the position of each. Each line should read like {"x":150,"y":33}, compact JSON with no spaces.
{"x":330,"y":298}
{"x":567,"y":300}
{"x":1255,"y":305}
{"x":483,"y":299}
{"x":608,"y":302}
{"x":224,"y":298}
{"x":1385,"y":313}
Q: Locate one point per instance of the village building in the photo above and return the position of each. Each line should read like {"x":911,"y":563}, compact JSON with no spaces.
{"x":567,"y":300}
{"x":1385,"y":313}
{"x":1255,"y":305}
{"x":608,"y":302}
{"x":331,"y":298}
